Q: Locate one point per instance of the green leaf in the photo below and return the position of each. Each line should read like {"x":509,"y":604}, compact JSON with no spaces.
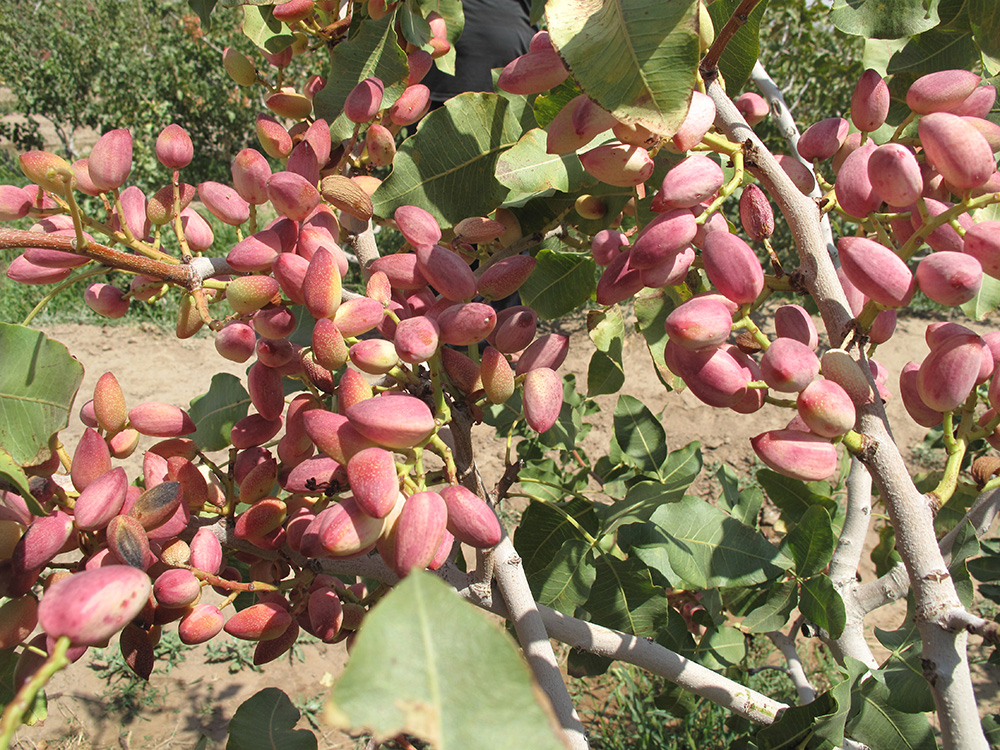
{"x":636,"y":58}
{"x":452,"y":13}
{"x":639,"y":434}
{"x":884,"y":554}
{"x":648,"y":543}
{"x":416,"y":30}
{"x":987,"y":567}
{"x":605,"y":327}
{"x":642,"y":499}
{"x":18,"y":480}
{"x":676,"y":701}
{"x":448,"y":166}
{"x":587,"y":664}
{"x":417,"y":667}
{"x":937,"y":49}
{"x":681,"y":468}
{"x":373,"y":51}
{"x":267,"y":720}
{"x":821,"y":604}
{"x":991,"y":728}
{"x":909,"y":690}
{"x":204,"y":10}
{"x":38,"y":382}
{"x":722,"y":648}
{"x":454,"y":18}
{"x":748,"y":508}
{"x":547,"y":106}
{"x":743,"y":49}
{"x":560,"y":283}
{"x":263,"y":29}
{"x":708,"y":549}
{"x":541,"y":480}
{"x":773,"y":614}
{"x":816,"y":725}
{"x":542,"y":214}
{"x":527,"y":168}
{"x":794,"y":728}
{"x":605,"y":373}
{"x":794,"y":497}
{"x":639,"y":503}
{"x":216,"y":411}
{"x":729,"y":480}
{"x":565,"y":584}
{"x":545,"y":527}
{"x":966,"y":545}
{"x":984,"y":16}
{"x":985,"y":301}
{"x":652,"y":306}
{"x":992,"y":211}
{"x":811,"y":542}
{"x":877,"y":19}
{"x":877,"y":724}
{"x":624,"y":598}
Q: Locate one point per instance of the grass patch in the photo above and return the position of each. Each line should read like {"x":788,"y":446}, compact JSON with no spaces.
{"x":628,"y":709}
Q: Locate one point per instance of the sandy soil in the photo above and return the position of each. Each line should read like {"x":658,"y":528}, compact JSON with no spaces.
{"x":194,"y":698}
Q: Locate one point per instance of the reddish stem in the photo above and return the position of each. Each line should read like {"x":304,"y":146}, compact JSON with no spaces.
{"x":175,"y":274}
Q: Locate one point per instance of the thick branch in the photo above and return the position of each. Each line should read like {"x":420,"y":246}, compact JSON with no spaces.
{"x":894,"y":584}
{"x":802,"y":215}
{"x":844,"y":566}
{"x":363,"y":244}
{"x":961,"y":619}
{"x":847,"y":556}
{"x":946,"y":665}
{"x":790,"y":132}
{"x":655,"y":658}
{"x":522,"y":609}
{"x":574,"y":632}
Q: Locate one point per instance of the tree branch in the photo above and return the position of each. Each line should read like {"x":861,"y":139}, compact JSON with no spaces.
{"x":894,"y":584}
{"x":807,"y":693}
{"x":802,"y":215}
{"x":572,"y":631}
{"x":944,"y":657}
{"x":847,"y":557}
{"x":790,"y":132}
{"x":176,"y":274}
{"x":710,"y":63}
{"x":522,"y":610}
{"x":958,"y":619}
{"x":363,"y":244}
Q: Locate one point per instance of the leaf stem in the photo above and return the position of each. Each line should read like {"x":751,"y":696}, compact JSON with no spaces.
{"x":14,"y":713}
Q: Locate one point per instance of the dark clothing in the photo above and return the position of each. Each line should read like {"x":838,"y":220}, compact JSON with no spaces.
{"x":496,"y":31}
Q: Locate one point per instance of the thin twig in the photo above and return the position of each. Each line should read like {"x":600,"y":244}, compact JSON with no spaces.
{"x":710,"y":63}
{"x":797,"y":673}
{"x":958,"y":619}
{"x":18,"y":238}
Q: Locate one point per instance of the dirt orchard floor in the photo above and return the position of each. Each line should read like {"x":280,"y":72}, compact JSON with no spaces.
{"x":194,"y":697}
